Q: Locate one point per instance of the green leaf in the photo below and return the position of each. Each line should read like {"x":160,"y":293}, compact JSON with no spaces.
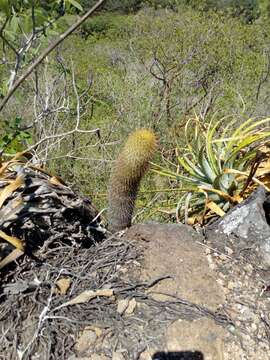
{"x":75,"y":4}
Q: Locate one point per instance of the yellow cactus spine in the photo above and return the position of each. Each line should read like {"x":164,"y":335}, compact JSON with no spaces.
{"x":127,"y":172}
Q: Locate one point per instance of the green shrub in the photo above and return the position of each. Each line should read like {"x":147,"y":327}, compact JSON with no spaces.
{"x":106,"y":25}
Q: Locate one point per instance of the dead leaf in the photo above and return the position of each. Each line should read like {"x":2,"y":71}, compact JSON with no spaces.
{"x":86,"y":296}
{"x":8,"y":190}
{"x":63,"y":285}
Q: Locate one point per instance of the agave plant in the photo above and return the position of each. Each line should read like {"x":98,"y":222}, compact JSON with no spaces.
{"x":218,"y":164}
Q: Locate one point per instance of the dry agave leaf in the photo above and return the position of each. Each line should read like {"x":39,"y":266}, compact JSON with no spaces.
{"x":192,"y":220}
{"x":255,"y":179}
{"x":8,"y":190}
{"x":14,"y":255}
{"x":222,"y":194}
{"x":5,"y":165}
{"x":55,"y":180}
{"x":215,"y":208}
{"x":12,"y":240}
{"x":86,"y":296}
{"x":264,"y":168}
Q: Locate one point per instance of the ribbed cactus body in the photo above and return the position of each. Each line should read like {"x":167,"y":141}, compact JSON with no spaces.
{"x":127,"y":172}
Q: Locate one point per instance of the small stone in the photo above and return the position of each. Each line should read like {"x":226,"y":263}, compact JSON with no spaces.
{"x":211,"y":264}
{"x":223,"y":257}
{"x":98,"y":357}
{"x":117,"y":356}
{"x":148,"y":354}
{"x":85,"y":341}
{"x":63,"y":285}
{"x":220,"y":282}
{"x":231,"y":285}
{"x":228,"y":250}
{"x":122,"y":306}
{"x":131,"y":307}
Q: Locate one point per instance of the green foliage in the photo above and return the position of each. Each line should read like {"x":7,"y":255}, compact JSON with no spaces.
{"x":107,"y":25}
{"x":14,"y":138}
{"x":124,"y":6}
{"x":22,"y":17}
{"x":247,"y":10}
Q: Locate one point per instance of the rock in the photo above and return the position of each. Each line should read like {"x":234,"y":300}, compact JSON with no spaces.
{"x":85,"y":341}
{"x":201,"y":335}
{"x":147,"y":354}
{"x":99,"y":357}
{"x":122,"y":306}
{"x":246,"y":227}
{"x":131,"y":307}
{"x":173,"y":250}
{"x":63,"y":285}
{"x":117,"y":355}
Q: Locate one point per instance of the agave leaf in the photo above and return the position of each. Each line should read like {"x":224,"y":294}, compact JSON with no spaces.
{"x":175,"y":176}
{"x":205,"y":166}
{"x":244,"y":129}
{"x":238,"y":132}
{"x":209,"y":147}
{"x":223,"y":182}
{"x":191,"y":168}
{"x":249,"y":140}
{"x":255,"y":125}
{"x":14,"y":255}
{"x":222,"y":194}
{"x":166,"y":173}
{"x":257,"y":181}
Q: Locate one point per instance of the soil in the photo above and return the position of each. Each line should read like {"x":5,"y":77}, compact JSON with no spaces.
{"x":152,"y":292}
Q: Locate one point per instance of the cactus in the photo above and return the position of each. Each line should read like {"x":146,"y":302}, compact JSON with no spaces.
{"x":127,"y":172}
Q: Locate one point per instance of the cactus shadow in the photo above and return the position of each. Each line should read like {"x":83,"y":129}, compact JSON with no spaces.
{"x":178,"y":355}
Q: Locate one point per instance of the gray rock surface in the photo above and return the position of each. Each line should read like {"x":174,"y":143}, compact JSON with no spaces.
{"x":245,"y":228}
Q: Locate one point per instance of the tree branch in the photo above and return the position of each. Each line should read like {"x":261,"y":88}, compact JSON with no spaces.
{"x":47,"y":51}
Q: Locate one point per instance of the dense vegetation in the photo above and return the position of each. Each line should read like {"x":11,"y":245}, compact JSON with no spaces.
{"x":138,"y":64}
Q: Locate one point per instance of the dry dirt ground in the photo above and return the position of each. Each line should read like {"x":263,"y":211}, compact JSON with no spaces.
{"x":153,"y":292}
